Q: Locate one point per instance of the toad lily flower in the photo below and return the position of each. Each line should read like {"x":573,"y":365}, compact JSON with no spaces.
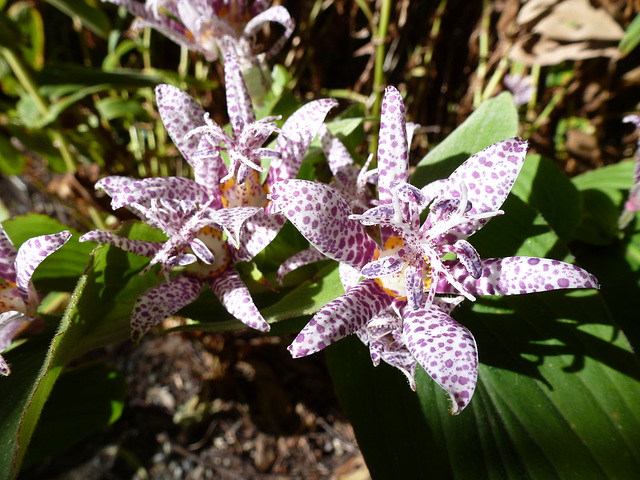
{"x":209,"y":25}
{"x":351,"y":181}
{"x":633,"y":203}
{"x":197,"y":215}
{"x":202,"y":143}
{"x":406,"y":272}
{"x":18,"y":298}
{"x":201,"y":237}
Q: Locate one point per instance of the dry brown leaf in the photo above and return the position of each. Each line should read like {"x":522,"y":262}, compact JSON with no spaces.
{"x":576,"y":21}
{"x":549,"y":52}
{"x":533,"y":9}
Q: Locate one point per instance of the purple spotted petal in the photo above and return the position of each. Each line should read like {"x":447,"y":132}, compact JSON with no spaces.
{"x":518,"y":275}
{"x":635,"y":119}
{"x":322,"y":216}
{"x":403,"y":361}
{"x":168,"y":188}
{"x":258,"y":232}
{"x":488,"y":176}
{"x":7,"y":257}
{"x":305,"y":257}
{"x":277,"y":14}
{"x":236,"y":298}
{"x":180,"y":114}
{"x":383,"y":266}
{"x":10,"y":324}
{"x":138,"y":247}
{"x":349,"y":276}
{"x":393,"y":152}
{"x":414,"y":283}
{"x":239,"y":104}
{"x":232,"y":220}
{"x":446,"y":350}
{"x":295,"y":137}
{"x":341,"y":317}
{"x":162,"y":301}
{"x":340,"y":162}
{"x":31,"y":254}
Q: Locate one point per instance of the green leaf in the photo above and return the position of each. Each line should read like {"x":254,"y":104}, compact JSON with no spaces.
{"x":85,"y":400}
{"x":91,"y":17}
{"x":546,"y":188}
{"x":98,"y":314}
{"x":631,"y":37}
{"x":495,"y":120}
{"x":603,"y":192}
{"x":557,"y":388}
{"x":29,"y":21}
{"x":111,"y":108}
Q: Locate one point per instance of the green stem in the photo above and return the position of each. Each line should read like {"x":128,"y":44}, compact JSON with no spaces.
{"x":483,"y":52}
{"x":21,"y":71}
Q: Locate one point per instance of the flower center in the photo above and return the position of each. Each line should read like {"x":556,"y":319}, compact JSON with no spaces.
{"x":248,"y":194}
{"x":394,"y":284}
{"x":217,"y":244}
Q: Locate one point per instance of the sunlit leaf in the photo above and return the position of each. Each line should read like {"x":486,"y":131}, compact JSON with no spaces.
{"x":495,"y":120}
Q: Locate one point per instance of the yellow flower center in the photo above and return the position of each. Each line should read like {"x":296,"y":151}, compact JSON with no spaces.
{"x":394,"y":284}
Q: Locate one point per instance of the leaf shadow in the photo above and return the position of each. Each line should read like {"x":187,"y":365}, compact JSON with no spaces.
{"x":527,"y":334}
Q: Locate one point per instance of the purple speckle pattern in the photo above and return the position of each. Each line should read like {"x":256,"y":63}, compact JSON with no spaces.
{"x":180,"y":114}
{"x":138,"y":247}
{"x":277,"y":14}
{"x":488,"y":177}
{"x":350,"y":179}
{"x":31,"y":254}
{"x":295,"y":137}
{"x":341,"y":317}
{"x":236,"y":298}
{"x":239,"y":104}
{"x":393,"y":151}
{"x":7,"y":257}
{"x":205,"y":26}
{"x":10,"y":325}
{"x":446,"y":350}
{"x":162,"y":301}
{"x":322,"y":216}
{"x":305,"y":257}
{"x":519,"y":275}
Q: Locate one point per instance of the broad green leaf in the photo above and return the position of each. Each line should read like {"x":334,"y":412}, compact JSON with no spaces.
{"x":495,"y":120}
{"x":546,"y":188}
{"x":84,"y":401}
{"x":98,"y":314}
{"x":603,"y":192}
{"x":91,"y":17}
{"x":617,"y":267}
{"x":15,"y":395}
{"x":62,"y":269}
{"x":558,"y":385}
{"x":631,"y":37}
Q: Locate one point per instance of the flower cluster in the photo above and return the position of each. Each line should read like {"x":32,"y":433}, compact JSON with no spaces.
{"x":210,"y":26}
{"x":401,"y":306}
{"x":402,"y":276}
{"x":220,"y":218}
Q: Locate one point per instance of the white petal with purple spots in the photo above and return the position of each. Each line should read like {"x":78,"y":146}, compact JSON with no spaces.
{"x":446,"y":350}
